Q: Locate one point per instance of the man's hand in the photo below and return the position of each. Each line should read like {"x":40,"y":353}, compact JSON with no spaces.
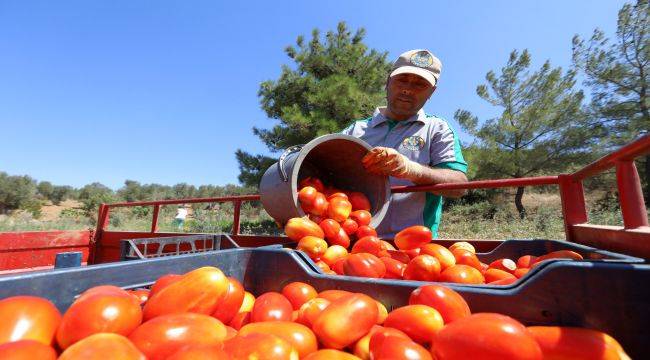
{"x":386,"y":161}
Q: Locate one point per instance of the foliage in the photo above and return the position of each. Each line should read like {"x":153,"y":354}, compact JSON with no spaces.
{"x":17,"y":192}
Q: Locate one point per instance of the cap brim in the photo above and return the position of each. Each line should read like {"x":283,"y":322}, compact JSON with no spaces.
{"x":425,"y":74}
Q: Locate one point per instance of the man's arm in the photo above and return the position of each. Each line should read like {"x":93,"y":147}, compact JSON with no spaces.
{"x":425,"y":175}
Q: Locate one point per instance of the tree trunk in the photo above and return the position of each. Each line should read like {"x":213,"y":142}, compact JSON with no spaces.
{"x":518,"y":203}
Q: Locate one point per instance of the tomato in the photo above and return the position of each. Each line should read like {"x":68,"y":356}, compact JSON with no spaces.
{"x":333,"y":254}
{"x":350,"y":226}
{"x":271,"y":306}
{"x":98,"y":346}
{"x":446,"y":301}
{"x":310,"y":310}
{"x":361,"y":348}
{"x":423,"y":268}
{"x":28,"y":318}
{"x":394,"y":269}
{"x":370,"y":245}
{"x":313,"y":246}
{"x":506,"y":265}
{"x":492,"y":275}
{"x":313,"y":182}
{"x":338,"y":266}
{"x":299,"y":336}
{"x":330,"y":354}
{"x":104,"y":311}
{"x":559,"y":342}
{"x":330,"y":228}
{"x":504,"y":281}
{"x":247,"y":304}
{"x":444,"y":256}
{"x":359,"y":201}
{"x":341,"y":239}
{"x":388,"y":245}
{"x":298,"y":228}
{"x":462,"y":274}
{"x":198,"y":291}
{"x":141,"y":294}
{"x":333,"y":295}
{"x":364,"y":265}
{"x":485,"y":336}
{"x":526,"y":261}
{"x":307,"y":195}
{"x":462,"y":245}
{"x":241,"y":319}
{"x":560,"y":254}
{"x":323,"y":266}
{"x":346,"y":320}
{"x":483,"y":268}
{"x":230,"y":333}
{"x":229,"y":306}
{"x":419,"y":322}
{"x":330,"y":190}
{"x":165,"y":334}
{"x":26,"y":350}
{"x":260,"y":346}
{"x":319,"y":205}
{"x":163,"y":281}
{"x":382,"y":313}
{"x":413,"y":237}
{"x":337,"y":194}
{"x":200,"y":352}
{"x":361,"y":217}
{"x":466,"y":257}
{"x":339,"y":209}
{"x":399,"y":255}
{"x":519,"y":273}
{"x":390,"y":347}
{"x":315,"y":218}
{"x":364,"y":231}
{"x":299,"y":293}
{"x":412,"y":253}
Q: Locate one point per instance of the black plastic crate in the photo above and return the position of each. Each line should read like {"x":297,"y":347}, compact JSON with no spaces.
{"x":612,"y":297}
{"x":145,"y":248}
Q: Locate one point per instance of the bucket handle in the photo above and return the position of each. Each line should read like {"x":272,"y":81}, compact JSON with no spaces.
{"x":287,"y":152}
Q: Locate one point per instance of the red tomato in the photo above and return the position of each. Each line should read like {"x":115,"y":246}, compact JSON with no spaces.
{"x":260,"y":346}
{"x":333,"y":295}
{"x":319,"y":205}
{"x":519,"y":273}
{"x":446,"y":301}
{"x":229,"y":306}
{"x":330,"y":354}
{"x":526,"y":261}
{"x":323,"y":266}
{"x":485,"y":336}
{"x":388,"y":245}
{"x":370,"y":245}
{"x":364,"y":265}
{"x":200,"y":352}
{"x":198,"y":291}
{"x":299,"y":293}
{"x":361,"y":217}
{"x":337,"y":194}
{"x":330,"y":190}
{"x":444,"y":256}
{"x":346,"y":320}
{"x":164,"y":335}
{"x":28,"y":318}
{"x":333,"y":254}
{"x":419,"y":322}
{"x":98,"y":346}
{"x":382,"y":313}
{"x":560,"y":254}
{"x":241,"y":319}
{"x":394,"y":269}
{"x":26,"y":350}
{"x":361,"y":348}
{"x":113,"y":311}
{"x":313,"y":246}
{"x":359,"y":201}
{"x":466,"y":257}
{"x":315,"y":218}
{"x":559,"y":342}
{"x":330,"y":228}
{"x":299,"y":336}
{"x":339,"y":209}
{"x":307,"y":195}
{"x":247,"y":304}
{"x":163,"y":281}
{"x":230,"y":333}
{"x":412,"y":253}
{"x":298,"y":228}
{"x":341,"y":239}
{"x":364,"y":231}
{"x":506,"y":265}
{"x":462,"y":274}
{"x":399,"y":255}
{"x":413,"y":237}
{"x":310,"y":310}
{"x":423,"y":268}
{"x":462,"y":245}
{"x":484,"y":267}
{"x":338,"y":266}
{"x":391,"y":347}
{"x":502,"y":282}
{"x":141,"y":294}
{"x":492,"y":275}
{"x":271,"y":306}
{"x":350,"y":226}
{"x":313,"y":182}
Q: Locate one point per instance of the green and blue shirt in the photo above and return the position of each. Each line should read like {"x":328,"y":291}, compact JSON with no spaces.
{"x":428,"y":140}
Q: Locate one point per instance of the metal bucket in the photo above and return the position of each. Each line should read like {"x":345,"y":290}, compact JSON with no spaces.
{"x":333,"y":158}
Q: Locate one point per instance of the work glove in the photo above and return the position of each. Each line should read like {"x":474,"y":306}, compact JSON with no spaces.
{"x":387,"y":161}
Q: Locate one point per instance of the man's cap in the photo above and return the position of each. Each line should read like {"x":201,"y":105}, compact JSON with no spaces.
{"x":419,"y":62}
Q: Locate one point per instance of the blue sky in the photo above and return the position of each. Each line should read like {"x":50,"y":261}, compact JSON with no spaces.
{"x":166,"y":91}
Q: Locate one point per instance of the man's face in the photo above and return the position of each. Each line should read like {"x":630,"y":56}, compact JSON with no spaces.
{"x":406,"y":94}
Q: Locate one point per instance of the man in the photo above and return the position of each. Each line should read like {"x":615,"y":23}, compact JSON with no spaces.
{"x":410,"y":147}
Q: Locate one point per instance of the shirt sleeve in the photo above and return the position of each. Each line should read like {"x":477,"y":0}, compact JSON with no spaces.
{"x":445,"y":149}
{"x":349,"y":130}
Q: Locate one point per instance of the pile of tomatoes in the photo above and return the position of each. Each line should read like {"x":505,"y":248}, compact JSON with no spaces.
{"x":338,"y":220}
{"x":205,"y":315}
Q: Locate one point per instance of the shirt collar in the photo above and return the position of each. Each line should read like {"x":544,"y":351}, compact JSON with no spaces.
{"x":379,"y":118}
